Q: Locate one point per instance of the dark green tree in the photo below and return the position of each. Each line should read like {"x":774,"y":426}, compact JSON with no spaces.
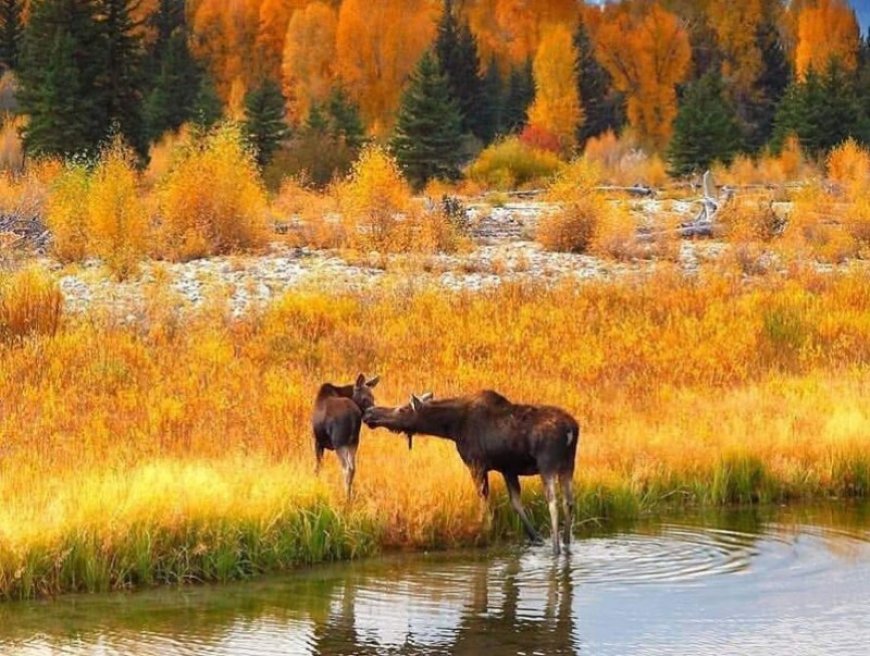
{"x":344,"y":120}
{"x":11,"y":31}
{"x":62,"y":71}
{"x":457,"y":51}
{"x":428,"y":137}
{"x":120,"y":86}
{"x":706,"y":128}
{"x":491,"y":119}
{"x":519,"y":97}
{"x":758,"y":111}
{"x":265,"y":127}
{"x":207,"y":106}
{"x":603,"y":106}
{"x":822,"y":111}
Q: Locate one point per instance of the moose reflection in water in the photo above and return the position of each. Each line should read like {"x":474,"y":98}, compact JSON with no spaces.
{"x":493,"y":434}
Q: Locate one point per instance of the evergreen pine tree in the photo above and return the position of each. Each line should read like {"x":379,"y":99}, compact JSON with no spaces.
{"x":519,"y":97}
{"x":265,"y":127}
{"x":428,"y":135}
{"x":11,"y":31}
{"x":769,"y":88}
{"x":120,"y":86}
{"x":344,"y":119}
{"x":174,"y":76}
{"x":207,"y":106}
{"x":791,"y":113}
{"x":492,"y":105}
{"x":62,"y":65}
{"x":602,"y":104}
{"x":706,"y":128}
{"x":457,"y":51}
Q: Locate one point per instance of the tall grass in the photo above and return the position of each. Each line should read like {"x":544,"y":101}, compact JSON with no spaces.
{"x":142,"y":454}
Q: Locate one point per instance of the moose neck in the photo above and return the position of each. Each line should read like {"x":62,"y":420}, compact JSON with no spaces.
{"x":439,"y":419}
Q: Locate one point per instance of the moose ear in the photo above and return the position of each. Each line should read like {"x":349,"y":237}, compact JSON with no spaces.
{"x":373,"y":382}
{"x":416,"y":403}
{"x":360,"y":380}
{"x":428,"y":396}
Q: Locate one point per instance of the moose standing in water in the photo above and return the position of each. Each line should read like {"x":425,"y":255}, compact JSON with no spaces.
{"x":337,"y":420}
{"x":493,"y":434}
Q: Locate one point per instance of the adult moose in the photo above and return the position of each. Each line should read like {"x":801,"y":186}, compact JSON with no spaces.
{"x":493,"y":434}
{"x":337,"y":419}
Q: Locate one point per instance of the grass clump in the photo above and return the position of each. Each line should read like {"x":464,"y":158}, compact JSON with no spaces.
{"x":30,"y":304}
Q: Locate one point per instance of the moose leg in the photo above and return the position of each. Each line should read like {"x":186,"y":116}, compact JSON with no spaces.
{"x":481,"y":482}
{"x":568,"y":504}
{"x":550,"y":490}
{"x":513,"y":485}
{"x":347,"y":455}
{"x":318,"y":458}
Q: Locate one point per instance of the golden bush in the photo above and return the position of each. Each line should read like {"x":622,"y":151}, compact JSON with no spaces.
{"x":11,"y":148}
{"x":815,"y":227}
{"x":572,"y":227}
{"x":374,"y":202}
{"x":623,"y":162}
{"x":30,"y":303}
{"x":849,"y":167}
{"x":117,"y":219}
{"x":615,"y":234}
{"x":212,"y":201}
{"x":510,"y":164}
{"x":66,"y":213}
{"x":749,"y":220}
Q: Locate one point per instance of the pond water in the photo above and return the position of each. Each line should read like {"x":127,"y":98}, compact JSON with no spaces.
{"x":789,"y":581}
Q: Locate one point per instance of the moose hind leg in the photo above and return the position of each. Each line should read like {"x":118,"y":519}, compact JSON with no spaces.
{"x":550,"y":490}
{"x":567,"y":483}
{"x":347,"y":455}
{"x":513,"y":487}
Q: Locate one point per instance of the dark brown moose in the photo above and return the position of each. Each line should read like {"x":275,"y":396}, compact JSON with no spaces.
{"x":337,"y":420}
{"x":493,"y":434}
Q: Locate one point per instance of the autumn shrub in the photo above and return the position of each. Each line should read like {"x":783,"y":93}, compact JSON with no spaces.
{"x":30,"y":303}
{"x":212,"y":201}
{"x":118,"y":224}
{"x":66,"y":213}
{"x":311,"y":215}
{"x":749,"y":220}
{"x":11,"y":148}
{"x":374,"y":201}
{"x":510,"y":164}
{"x":536,"y":137}
{"x":572,"y":227}
{"x":615,"y":234}
{"x":849,"y":167}
{"x":815,"y":227}
{"x":623,"y":162}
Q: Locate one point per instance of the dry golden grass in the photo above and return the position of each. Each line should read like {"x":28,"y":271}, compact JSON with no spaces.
{"x":30,"y":304}
{"x":136,"y":454}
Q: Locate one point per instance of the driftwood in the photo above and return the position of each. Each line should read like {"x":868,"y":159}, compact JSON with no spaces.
{"x":20,"y":231}
{"x":704,"y":223}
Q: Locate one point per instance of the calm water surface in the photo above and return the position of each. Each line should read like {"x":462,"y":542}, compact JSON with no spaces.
{"x":793,"y":581}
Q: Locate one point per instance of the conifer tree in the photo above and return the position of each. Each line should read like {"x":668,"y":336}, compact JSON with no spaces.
{"x":344,"y":119}
{"x":207,"y":107}
{"x":457,"y":51}
{"x":428,"y":134}
{"x":174,"y":76}
{"x":11,"y":31}
{"x":519,"y":97}
{"x":602,"y":104}
{"x":491,"y":112}
{"x":770,"y":86}
{"x":119,"y":88}
{"x":265,"y":127}
{"x":705,"y":130}
{"x":61,"y":71}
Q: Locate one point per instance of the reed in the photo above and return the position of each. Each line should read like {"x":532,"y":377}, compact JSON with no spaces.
{"x":178,"y":451}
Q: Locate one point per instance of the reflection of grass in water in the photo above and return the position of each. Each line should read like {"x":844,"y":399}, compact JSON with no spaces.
{"x":177,"y":452}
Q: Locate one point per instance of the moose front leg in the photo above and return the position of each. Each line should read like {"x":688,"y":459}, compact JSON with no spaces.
{"x":552,"y":502}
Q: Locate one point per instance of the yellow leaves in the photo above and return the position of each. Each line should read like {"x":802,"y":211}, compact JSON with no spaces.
{"x":213,"y":201}
{"x":826,"y":29}
{"x":377,"y":46}
{"x":736,"y":27}
{"x":648,"y":54}
{"x":556,"y":108}
{"x":308,"y":66}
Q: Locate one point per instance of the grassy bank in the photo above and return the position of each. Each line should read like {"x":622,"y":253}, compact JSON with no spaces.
{"x":179,"y":450}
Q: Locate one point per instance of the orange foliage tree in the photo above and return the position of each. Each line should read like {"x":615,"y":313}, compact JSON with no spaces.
{"x":646,"y":50}
{"x":377,"y":46}
{"x":309,"y":58}
{"x":274,"y":17}
{"x":827,"y":29}
{"x":556,"y":109}
{"x":735,"y":26}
